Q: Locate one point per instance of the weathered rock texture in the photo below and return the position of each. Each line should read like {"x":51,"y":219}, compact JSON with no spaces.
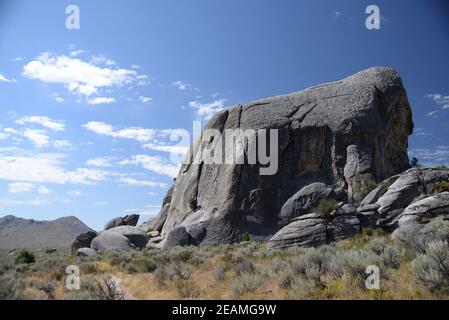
{"x":122,"y":238}
{"x":331,"y":134}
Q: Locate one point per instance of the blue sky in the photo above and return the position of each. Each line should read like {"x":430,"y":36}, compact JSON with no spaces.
{"x":93,"y":143}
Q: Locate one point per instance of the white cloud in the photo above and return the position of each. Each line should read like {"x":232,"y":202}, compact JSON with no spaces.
{"x":19,"y":187}
{"x":100,"y":162}
{"x":141,"y":183}
{"x":431,"y":156}
{"x":17,"y":59}
{"x":59,"y":99}
{"x":166,"y":148}
{"x":101,"y":203}
{"x":181,"y":85}
{"x":78,"y":76}
{"x":101,"y":100}
{"x":102,"y":60}
{"x":45,"y":168}
{"x":154,"y":164}
{"x":4,"y":79}
{"x":134,"y":133}
{"x":76,"y":53}
{"x":441,"y":100}
{"x":62,"y":144}
{"x":207,"y":110}
{"x":38,"y":137}
{"x":73,"y":193}
{"x":145,"y":99}
{"x":43,"y":190}
{"x":43,"y":121}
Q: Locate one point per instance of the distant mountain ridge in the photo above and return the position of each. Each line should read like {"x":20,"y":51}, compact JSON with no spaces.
{"x":28,"y":233}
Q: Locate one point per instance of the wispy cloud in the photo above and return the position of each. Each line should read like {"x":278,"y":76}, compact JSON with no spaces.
{"x":46,"y":122}
{"x":442,"y":101}
{"x":431,"y":156}
{"x":154,"y":164}
{"x":100,"y":100}
{"x":181,"y":85}
{"x":141,"y":183}
{"x":145,"y":99}
{"x":20,"y":187}
{"x":4,"y":79}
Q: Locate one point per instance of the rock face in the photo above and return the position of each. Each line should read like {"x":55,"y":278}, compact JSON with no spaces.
{"x":27,"y":233}
{"x":123,"y":238}
{"x":86,"y":252}
{"x":331,"y":134}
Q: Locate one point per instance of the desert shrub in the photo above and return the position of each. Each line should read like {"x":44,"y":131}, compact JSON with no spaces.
{"x":88,"y":268}
{"x":187,"y":289}
{"x":353,"y":263}
{"x":432,"y":268}
{"x":76,"y":295}
{"x":181,"y":254}
{"x":417,"y":240}
{"x":389,"y":255}
{"x":246,"y":283}
{"x":219,"y":273}
{"x":313,"y":263}
{"x":302,"y":288}
{"x":117,"y":258}
{"x":48,"y":288}
{"x":106,"y":288}
{"x":25,"y":257}
{"x":442,"y":168}
{"x":245,"y":237}
{"x":364,"y":184}
{"x":285,"y":281}
{"x":179,"y":271}
{"x":278,"y":265}
{"x":244,"y":266}
{"x":441,"y":186}
{"x":325,"y":207}
{"x":161,"y":276}
{"x":12,"y":287}
{"x":142,"y":264}
{"x":193,"y":203}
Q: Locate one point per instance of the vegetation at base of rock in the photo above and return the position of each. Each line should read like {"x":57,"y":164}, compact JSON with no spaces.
{"x":442,"y":167}
{"x":245,"y":237}
{"x":441,"y":186}
{"x":193,"y":203}
{"x":25,"y":257}
{"x":412,"y":267}
{"x":364,"y":185}
{"x":325,"y":207}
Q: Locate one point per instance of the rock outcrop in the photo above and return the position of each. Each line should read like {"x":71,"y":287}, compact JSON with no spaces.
{"x":83,"y":240}
{"x":334,"y":134}
{"x":129,"y":220}
{"x":122,"y":238}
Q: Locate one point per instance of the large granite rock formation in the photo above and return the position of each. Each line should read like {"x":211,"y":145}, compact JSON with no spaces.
{"x":335,"y":134}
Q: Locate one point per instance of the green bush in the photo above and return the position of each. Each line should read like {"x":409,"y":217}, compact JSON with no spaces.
{"x":245,"y":237}
{"x":246,"y":283}
{"x":25,"y":257}
{"x":187,"y":289}
{"x":441,"y":186}
{"x":325,"y":207}
{"x":442,"y":168}
{"x":193,"y":203}
{"x":432,"y":268}
{"x":364,"y":184}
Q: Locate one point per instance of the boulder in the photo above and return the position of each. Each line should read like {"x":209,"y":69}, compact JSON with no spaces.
{"x":122,"y":238}
{"x":86,"y":252}
{"x":330,"y":134}
{"x":82,"y":240}
{"x":307,"y":231}
{"x":128,"y":220}
{"x":177,"y":237}
{"x":307,"y":199}
{"x":412,"y":185}
{"x":425,"y":209}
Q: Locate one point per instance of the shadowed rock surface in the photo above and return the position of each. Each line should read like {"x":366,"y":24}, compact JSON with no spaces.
{"x":330,"y":134}
{"x":27,"y":233}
